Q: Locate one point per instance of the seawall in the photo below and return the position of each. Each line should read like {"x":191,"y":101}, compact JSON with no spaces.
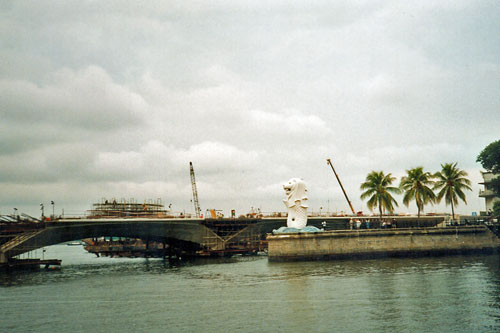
{"x":371,"y":243}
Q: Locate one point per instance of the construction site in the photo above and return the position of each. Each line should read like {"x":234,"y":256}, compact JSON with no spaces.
{"x":222,"y":237}
{"x":127,"y":208}
{"x":157,"y":232}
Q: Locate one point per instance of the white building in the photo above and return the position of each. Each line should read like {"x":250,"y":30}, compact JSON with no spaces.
{"x":487,"y":193}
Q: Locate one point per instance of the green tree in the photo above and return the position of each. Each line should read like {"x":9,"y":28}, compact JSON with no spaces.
{"x":495,"y":186}
{"x":377,"y":188}
{"x":417,"y":185}
{"x":451,"y":183}
{"x":490,"y":160}
{"x":490,"y":157}
{"x":496,"y":208}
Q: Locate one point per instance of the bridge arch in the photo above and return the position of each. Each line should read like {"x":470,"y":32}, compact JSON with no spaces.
{"x":183,"y":234}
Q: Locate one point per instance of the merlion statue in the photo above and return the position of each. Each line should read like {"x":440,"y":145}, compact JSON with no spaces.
{"x":296,"y":202}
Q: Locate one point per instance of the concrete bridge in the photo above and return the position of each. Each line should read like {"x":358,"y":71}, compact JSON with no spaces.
{"x":186,"y":235}
{"x":181,"y":234}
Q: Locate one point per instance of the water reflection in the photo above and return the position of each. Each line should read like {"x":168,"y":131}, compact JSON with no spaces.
{"x":403,"y":293}
{"x":459,"y":293}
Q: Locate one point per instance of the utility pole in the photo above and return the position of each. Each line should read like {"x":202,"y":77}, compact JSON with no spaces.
{"x":342,"y":187}
{"x":195,"y":192}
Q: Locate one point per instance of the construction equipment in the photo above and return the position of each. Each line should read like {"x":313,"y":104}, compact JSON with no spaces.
{"x":342,"y":187}
{"x":195,"y":192}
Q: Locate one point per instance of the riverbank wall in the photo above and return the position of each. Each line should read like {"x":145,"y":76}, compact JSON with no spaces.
{"x":371,"y":243}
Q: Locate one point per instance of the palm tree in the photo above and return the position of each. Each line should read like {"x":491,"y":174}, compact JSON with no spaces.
{"x":377,"y":187}
{"x":451,"y":181}
{"x":417,"y":186}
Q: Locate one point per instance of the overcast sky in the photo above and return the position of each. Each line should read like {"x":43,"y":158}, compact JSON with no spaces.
{"x":115,"y":98}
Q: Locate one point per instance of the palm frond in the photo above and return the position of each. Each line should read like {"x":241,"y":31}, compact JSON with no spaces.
{"x":451,"y":184}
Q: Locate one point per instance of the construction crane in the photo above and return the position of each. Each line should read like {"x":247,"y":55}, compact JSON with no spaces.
{"x":342,"y":187}
{"x":195,"y":192}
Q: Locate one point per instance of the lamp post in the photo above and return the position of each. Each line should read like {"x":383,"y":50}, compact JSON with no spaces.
{"x":53,"y":205}
{"x":41,"y":208}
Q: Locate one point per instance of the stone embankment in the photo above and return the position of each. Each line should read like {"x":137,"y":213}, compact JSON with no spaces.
{"x":370,"y":243}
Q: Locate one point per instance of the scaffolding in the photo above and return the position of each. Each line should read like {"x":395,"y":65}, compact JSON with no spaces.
{"x":231,"y":236}
{"x":127,"y":208}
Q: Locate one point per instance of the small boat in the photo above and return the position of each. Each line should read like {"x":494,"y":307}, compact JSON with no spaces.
{"x":74,"y":243}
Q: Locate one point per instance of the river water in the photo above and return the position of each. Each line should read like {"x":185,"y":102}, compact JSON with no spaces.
{"x":250,"y":294}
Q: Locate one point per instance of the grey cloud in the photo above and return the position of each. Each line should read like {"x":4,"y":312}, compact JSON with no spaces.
{"x":117,"y":99}
{"x":86,"y":99}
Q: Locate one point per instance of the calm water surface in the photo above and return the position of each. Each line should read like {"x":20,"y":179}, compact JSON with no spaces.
{"x":249,"y":294}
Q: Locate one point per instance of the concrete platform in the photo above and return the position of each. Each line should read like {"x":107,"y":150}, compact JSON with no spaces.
{"x":370,"y":243}
{"x":29,"y":264}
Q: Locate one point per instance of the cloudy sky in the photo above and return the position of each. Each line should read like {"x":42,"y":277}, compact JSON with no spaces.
{"x":113,"y":99}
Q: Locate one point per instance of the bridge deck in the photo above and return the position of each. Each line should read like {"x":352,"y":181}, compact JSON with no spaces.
{"x":186,"y":234}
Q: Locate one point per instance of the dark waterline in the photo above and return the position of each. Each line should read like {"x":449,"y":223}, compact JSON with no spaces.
{"x":456,"y":293}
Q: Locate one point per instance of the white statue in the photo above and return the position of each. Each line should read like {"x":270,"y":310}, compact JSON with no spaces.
{"x":296,"y":202}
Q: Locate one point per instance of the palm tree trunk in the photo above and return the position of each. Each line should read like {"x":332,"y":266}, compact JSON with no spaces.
{"x":380,"y":211}
{"x":418,"y":216}
{"x":452,"y":211}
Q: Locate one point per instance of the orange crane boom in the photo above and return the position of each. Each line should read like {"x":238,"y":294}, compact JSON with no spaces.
{"x":342,"y":187}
